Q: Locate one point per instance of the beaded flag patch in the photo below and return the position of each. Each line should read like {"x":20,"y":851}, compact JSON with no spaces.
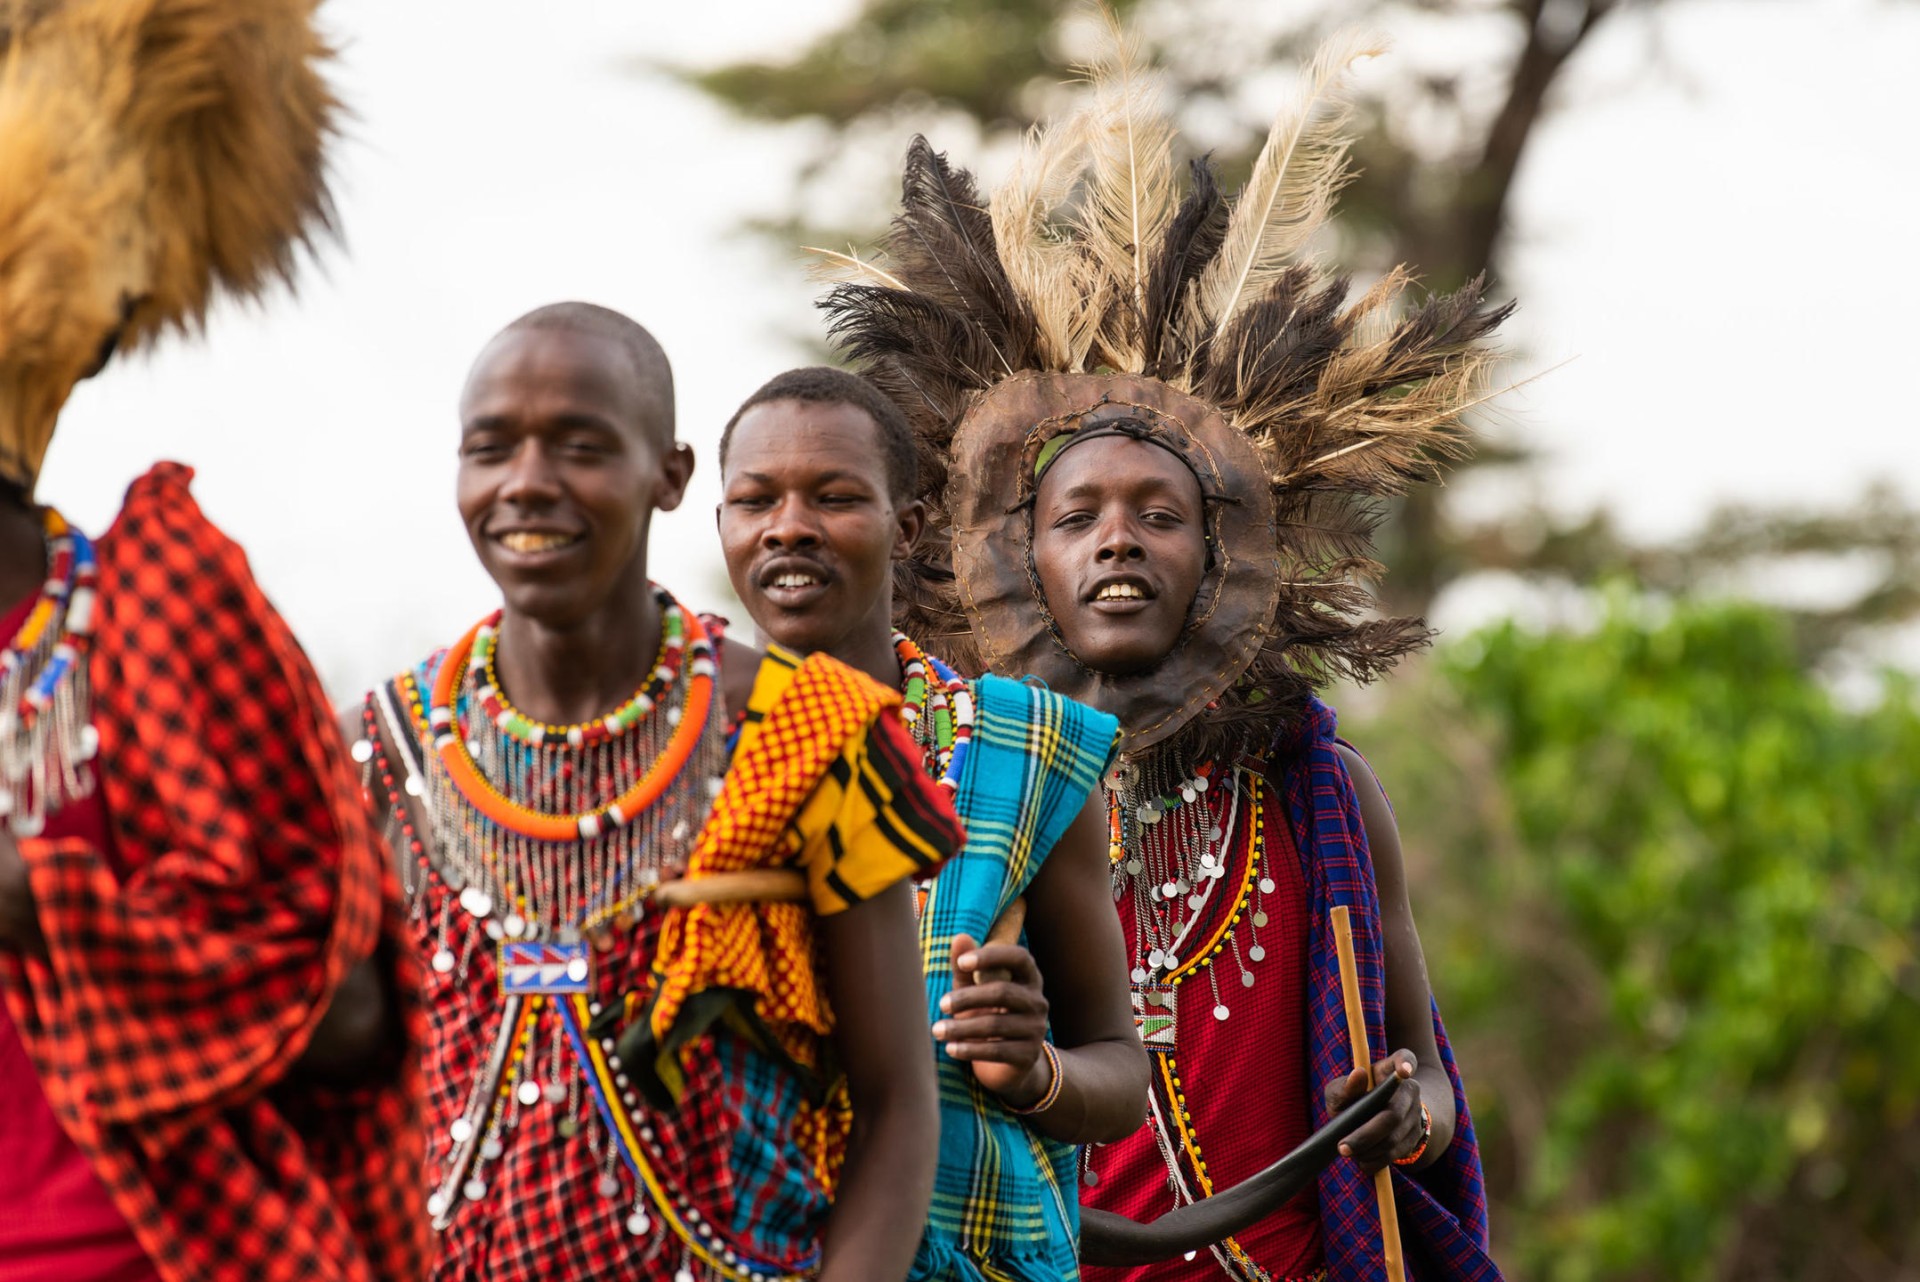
{"x":544,"y":969}
{"x":1153,"y":1015}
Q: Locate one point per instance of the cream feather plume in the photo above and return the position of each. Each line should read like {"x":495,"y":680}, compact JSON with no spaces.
{"x":1130,"y":190}
{"x":1049,"y":270}
{"x":1295,"y":179}
{"x":835,"y":268}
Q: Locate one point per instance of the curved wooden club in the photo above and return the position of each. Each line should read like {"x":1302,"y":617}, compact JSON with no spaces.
{"x":1106,"y":1238}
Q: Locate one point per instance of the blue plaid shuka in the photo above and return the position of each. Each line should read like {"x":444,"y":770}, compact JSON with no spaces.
{"x":1004,"y":1201}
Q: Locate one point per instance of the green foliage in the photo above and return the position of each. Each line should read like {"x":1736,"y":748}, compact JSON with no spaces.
{"x":975,"y":56}
{"x":1669,"y":888}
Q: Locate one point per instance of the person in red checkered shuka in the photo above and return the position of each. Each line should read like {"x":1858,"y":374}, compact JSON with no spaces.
{"x":206,"y":1024}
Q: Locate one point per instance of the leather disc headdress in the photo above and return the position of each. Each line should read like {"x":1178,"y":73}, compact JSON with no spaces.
{"x":151,"y":152}
{"x":1091,"y":287}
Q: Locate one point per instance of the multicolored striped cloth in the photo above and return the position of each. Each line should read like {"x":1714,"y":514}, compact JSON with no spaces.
{"x":1443,"y":1209}
{"x":1004,"y":1204}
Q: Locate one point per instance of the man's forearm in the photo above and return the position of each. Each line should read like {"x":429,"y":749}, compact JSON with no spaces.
{"x":1436,"y":1092}
{"x":867,"y":1239}
{"x":1103,"y":1094}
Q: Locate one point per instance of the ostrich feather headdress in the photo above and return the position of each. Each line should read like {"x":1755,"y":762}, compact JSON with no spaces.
{"x":152,"y":152}
{"x":1091,"y":280}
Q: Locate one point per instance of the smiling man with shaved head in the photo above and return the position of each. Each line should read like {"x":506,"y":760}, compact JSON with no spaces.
{"x":659,"y":882}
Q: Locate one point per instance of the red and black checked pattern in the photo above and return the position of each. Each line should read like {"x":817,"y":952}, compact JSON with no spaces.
{"x":175,"y":1003}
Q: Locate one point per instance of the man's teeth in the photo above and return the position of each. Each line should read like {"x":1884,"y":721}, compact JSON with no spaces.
{"x":795,"y":581}
{"x":1121,"y":592}
{"x":527,"y":541}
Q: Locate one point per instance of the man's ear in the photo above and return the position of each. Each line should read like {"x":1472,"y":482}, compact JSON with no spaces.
{"x":910,"y":521}
{"x":676,"y":469}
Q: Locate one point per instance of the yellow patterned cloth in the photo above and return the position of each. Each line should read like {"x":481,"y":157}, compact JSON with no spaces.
{"x":824,"y":779}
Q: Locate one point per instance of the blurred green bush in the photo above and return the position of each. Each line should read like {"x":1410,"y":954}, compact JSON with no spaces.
{"x":1669,"y":887}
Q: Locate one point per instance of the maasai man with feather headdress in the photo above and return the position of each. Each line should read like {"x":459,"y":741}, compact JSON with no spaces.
{"x":661,"y":884}
{"x":1150,"y":428}
{"x":203,"y":1042}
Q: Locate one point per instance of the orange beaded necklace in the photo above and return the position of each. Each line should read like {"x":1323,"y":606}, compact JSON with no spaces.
{"x":537,"y":825}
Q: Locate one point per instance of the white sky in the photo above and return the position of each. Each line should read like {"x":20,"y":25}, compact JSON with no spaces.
{"x":1725,"y":254}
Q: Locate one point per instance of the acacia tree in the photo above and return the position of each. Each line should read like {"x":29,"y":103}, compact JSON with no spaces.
{"x":1437,"y":160}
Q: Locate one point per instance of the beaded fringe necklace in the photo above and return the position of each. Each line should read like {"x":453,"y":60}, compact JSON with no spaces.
{"x":1171,"y":835}
{"x":548,"y":837}
{"x":46,"y":739}
{"x":552,"y":832}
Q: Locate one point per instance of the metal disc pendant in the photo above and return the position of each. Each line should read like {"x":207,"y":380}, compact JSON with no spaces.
{"x":443,"y":961}
{"x":1134,"y":867}
{"x":529,"y":1093}
{"x":1091,"y":1178}
{"x":1258,"y":952}
{"x":555,"y":1092}
{"x":1156,"y":958}
{"x":362,"y":750}
{"x":568,"y":1128}
{"x":475,"y":1189}
{"x":437,"y":1205}
{"x":1195,"y":900}
{"x":1172,"y":963}
{"x":461,"y":1130}
{"x":491,"y":1150}
{"x":638,"y":1223}
{"x":1259,"y":919}
{"x":609,"y":1186}
{"x":1246,"y":979}
{"x":515,"y":925}
{"x":1139,"y":974}
{"x":1220,"y":1011}
{"x":476,"y":901}
{"x":414,"y":787}
{"x":1266,"y":885}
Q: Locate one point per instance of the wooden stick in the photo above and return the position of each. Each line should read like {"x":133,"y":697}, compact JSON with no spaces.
{"x":1363,"y":1059}
{"x":749,"y":885}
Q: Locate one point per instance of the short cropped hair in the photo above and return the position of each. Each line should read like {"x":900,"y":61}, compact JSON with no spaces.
{"x":824,"y":385}
{"x":649,"y":359}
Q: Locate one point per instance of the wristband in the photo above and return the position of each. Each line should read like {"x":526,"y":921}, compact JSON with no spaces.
{"x":1052,"y":1096}
{"x":1426,"y":1133}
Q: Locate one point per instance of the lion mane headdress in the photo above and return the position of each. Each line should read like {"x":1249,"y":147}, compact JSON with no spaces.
{"x":1090,"y":293}
{"x":152,"y":152}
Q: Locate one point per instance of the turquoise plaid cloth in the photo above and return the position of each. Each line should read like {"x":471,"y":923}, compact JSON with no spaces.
{"x":1005,"y":1206}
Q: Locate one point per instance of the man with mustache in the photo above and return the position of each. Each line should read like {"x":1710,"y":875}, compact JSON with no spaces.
{"x":204,"y":1041}
{"x":819,"y":472}
{"x":662,"y":965}
{"x":1153,"y":430}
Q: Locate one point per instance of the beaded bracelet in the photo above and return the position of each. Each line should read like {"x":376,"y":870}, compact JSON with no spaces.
{"x":1052,"y":1096}
{"x":1426,"y":1133}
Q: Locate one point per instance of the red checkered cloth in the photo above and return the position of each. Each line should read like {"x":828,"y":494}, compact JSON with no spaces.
{"x":175,"y":1003}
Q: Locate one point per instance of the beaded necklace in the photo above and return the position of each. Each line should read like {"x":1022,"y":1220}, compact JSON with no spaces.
{"x":46,"y":740}
{"x":551,"y":832}
{"x":1170,"y":843}
{"x":546,"y":838}
{"x":1170,"y":839}
{"x":937,"y":710}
